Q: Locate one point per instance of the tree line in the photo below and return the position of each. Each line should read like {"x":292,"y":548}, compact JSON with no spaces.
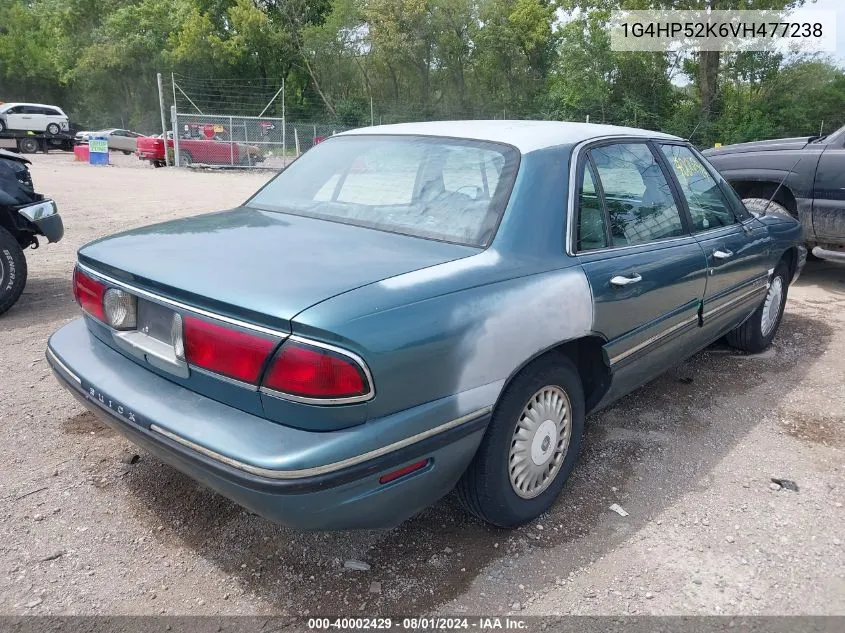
{"x":347,"y":62}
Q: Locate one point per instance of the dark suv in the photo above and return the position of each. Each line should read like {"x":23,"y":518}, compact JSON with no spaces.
{"x":24,"y":215}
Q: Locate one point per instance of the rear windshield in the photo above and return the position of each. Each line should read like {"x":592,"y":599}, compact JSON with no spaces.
{"x":444,"y":189}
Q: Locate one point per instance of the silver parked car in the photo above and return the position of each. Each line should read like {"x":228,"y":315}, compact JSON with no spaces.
{"x":125,"y":141}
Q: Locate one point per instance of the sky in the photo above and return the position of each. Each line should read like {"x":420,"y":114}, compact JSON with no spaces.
{"x":839,"y":7}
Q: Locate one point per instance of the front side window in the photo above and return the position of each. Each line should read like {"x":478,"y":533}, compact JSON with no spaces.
{"x":452,"y":190}
{"x":639,"y":199}
{"x":707,"y":205}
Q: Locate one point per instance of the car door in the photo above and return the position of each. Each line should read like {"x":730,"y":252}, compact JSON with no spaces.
{"x":736,"y":244}
{"x":646,"y":272}
{"x":15,"y":118}
{"x":117,"y":140}
{"x":829,"y":194}
{"x":34,"y":118}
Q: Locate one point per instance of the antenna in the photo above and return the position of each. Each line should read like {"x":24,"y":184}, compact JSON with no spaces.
{"x":780,"y":184}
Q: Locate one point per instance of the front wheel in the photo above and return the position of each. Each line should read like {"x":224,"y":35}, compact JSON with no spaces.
{"x":53,"y":128}
{"x":530,"y":447}
{"x":12,"y":270}
{"x":758,"y":331}
{"x":2,"y":126}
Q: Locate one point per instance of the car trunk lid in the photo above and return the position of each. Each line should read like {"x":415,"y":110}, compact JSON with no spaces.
{"x":260,"y":266}
{"x":246,"y":269}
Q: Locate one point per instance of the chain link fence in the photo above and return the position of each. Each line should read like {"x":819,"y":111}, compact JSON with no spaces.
{"x":242,"y":142}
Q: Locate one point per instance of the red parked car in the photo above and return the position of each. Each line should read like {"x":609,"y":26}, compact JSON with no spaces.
{"x":199,"y":150}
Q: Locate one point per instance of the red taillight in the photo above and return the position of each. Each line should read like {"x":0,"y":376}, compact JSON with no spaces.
{"x":89,"y":294}
{"x":224,"y":350}
{"x":314,"y":372}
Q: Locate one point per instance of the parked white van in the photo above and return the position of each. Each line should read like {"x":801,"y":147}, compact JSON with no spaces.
{"x":33,"y":117}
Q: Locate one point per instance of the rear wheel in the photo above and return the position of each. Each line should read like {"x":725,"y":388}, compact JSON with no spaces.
{"x":29,"y":145}
{"x":12,"y":270}
{"x":185,"y":159}
{"x":757,"y":333}
{"x":530,"y":447}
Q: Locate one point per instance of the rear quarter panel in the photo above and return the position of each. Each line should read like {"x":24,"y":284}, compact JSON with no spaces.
{"x":423,"y":342}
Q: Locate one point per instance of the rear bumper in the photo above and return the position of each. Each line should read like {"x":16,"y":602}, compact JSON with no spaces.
{"x":316,"y":495}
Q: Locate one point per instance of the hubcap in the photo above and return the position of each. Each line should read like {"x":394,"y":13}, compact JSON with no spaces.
{"x":540,"y":442}
{"x":771,"y":306}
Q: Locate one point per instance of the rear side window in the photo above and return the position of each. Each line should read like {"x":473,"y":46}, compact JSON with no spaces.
{"x":591,"y":225}
{"x":707,"y":205}
{"x":453,"y":190}
{"x":639,"y":200}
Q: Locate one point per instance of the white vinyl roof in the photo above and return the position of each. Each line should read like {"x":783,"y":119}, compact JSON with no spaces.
{"x":527,"y":136}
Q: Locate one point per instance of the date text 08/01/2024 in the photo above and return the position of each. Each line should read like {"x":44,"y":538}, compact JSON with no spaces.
{"x":417,"y":623}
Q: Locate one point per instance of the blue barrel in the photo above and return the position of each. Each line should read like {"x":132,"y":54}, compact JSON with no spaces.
{"x":98,"y":150}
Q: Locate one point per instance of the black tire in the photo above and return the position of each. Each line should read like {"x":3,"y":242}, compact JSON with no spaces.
{"x":2,"y":126}
{"x":12,"y":270}
{"x":126,"y":152}
{"x":185,"y":159}
{"x":158,"y":163}
{"x":485,"y":489}
{"x":53,"y":128}
{"x":28,"y":145}
{"x":760,"y":206}
{"x":750,"y":337}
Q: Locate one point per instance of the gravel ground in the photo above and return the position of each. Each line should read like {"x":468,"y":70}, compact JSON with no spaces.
{"x":85,"y":529}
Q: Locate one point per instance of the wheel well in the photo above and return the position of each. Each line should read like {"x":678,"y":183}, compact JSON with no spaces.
{"x":588,"y":357}
{"x":757,"y":189}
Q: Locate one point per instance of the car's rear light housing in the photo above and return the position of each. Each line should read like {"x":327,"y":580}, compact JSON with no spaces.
{"x":301,"y":370}
{"x":89,"y":293}
{"x":308,"y":372}
{"x":221,"y":349}
{"x":120,"y":309}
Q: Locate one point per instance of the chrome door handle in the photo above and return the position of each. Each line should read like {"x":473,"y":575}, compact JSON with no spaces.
{"x":621,"y":280}
{"x":722,"y":254}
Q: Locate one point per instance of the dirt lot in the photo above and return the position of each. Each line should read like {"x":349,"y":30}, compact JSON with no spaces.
{"x":689,"y":457}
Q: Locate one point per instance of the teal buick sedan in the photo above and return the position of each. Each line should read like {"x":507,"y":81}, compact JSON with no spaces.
{"x":410,"y":309}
